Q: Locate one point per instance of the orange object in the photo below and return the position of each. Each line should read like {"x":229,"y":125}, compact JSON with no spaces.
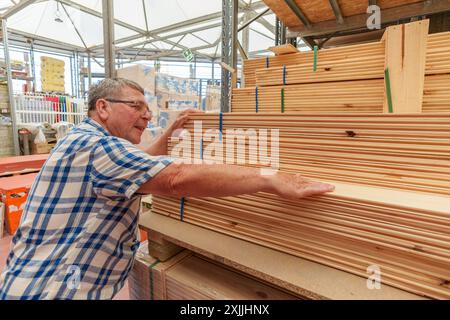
{"x":19,"y":163}
{"x":143,"y":235}
{"x":14,"y":193}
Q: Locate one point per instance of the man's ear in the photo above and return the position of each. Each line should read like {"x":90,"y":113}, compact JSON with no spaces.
{"x":102,"y":109}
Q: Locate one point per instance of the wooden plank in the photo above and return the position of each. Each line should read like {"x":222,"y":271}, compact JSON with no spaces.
{"x":415,"y":39}
{"x":218,"y":283}
{"x":284,"y":49}
{"x":393,"y":38}
{"x":10,"y":165}
{"x":305,"y":278}
{"x":406,"y":47}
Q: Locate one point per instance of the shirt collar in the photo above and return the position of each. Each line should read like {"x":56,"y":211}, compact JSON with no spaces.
{"x":92,"y":125}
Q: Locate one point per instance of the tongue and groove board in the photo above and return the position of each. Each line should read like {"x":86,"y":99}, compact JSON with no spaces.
{"x":391,"y":207}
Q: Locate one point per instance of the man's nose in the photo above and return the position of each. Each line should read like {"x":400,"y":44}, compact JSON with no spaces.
{"x":147,"y":116}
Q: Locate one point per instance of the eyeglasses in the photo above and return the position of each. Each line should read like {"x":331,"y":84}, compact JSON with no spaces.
{"x":140,"y":106}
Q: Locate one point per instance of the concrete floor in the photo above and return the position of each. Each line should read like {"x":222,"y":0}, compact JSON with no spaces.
{"x":4,"y":250}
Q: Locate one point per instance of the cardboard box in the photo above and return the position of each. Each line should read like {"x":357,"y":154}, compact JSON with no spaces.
{"x":41,"y":148}
{"x":143,"y":75}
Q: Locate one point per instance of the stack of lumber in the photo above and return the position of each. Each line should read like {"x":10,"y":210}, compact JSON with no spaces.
{"x":346,"y":96}
{"x":305,"y":278}
{"x":346,"y":79}
{"x":436,"y":94}
{"x":391,"y":207}
{"x":350,"y":96}
{"x":189,"y":277}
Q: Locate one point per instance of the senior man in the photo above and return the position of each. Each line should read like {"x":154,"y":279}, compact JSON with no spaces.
{"x":79,"y":230}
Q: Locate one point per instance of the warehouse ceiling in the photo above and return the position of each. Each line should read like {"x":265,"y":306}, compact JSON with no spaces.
{"x":144,"y":29}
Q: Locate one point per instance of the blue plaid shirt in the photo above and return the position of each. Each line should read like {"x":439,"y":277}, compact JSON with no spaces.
{"x":78,"y":233}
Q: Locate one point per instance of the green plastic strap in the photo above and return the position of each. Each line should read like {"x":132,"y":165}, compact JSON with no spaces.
{"x":151,"y":278}
{"x":282,"y":100}
{"x":315,"y":58}
{"x":388,"y":90}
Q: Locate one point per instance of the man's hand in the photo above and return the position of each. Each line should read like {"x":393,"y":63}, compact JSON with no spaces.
{"x":159,"y":147}
{"x":181,"y":120}
{"x":294,"y":186}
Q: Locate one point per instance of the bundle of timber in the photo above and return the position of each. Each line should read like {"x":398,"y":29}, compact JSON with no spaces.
{"x":407,"y":65}
{"x":190,"y":277}
{"x":436,"y":94}
{"x":355,"y":62}
{"x":346,"y":96}
{"x":390,"y":210}
{"x":349,"y":96}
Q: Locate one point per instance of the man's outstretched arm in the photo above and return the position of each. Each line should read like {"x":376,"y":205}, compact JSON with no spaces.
{"x":220,"y":180}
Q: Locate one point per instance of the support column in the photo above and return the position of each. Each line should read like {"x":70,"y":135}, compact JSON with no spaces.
{"x":12,"y":104}
{"x":89,"y":70}
{"x":246,"y":34}
{"x":108,"y":38}
{"x":229,"y":49}
{"x":280,"y":32}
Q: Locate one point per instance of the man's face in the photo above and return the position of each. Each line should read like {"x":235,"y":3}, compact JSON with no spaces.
{"x":125,"y":121}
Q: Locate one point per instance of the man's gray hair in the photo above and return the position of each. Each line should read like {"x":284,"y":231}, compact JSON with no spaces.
{"x":109,"y":88}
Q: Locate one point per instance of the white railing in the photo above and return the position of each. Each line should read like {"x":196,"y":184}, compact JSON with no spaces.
{"x":35,"y":108}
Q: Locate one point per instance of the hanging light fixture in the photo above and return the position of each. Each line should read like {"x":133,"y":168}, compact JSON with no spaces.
{"x":58,"y":14}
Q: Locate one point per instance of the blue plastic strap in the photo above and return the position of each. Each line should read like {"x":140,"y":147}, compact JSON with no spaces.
{"x":267,"y":62}
{"x":284,"y":74}
{"x":256,"y":99}
{"x":220,"y":125}
{"x":182,"y":209}
{"x":201,"y":149}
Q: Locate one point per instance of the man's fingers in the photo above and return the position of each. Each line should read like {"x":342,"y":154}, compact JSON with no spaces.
{"x":190,"y":111}
{"x":317,"y":188}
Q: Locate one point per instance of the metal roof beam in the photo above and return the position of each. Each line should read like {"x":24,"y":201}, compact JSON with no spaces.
{"x":337,"y":11}
{"x":298,"y":12}
{"x":61,"y":44}
{"x":16,"y":8}
{"x":172,"y":35}
{"x":183,"y":24}
{"x":247,"y":23}
{"x":165,"y":53}
{"x":99,"y":15}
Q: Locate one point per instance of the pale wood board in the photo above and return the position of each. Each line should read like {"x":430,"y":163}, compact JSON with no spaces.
{"x":303,"y":277}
